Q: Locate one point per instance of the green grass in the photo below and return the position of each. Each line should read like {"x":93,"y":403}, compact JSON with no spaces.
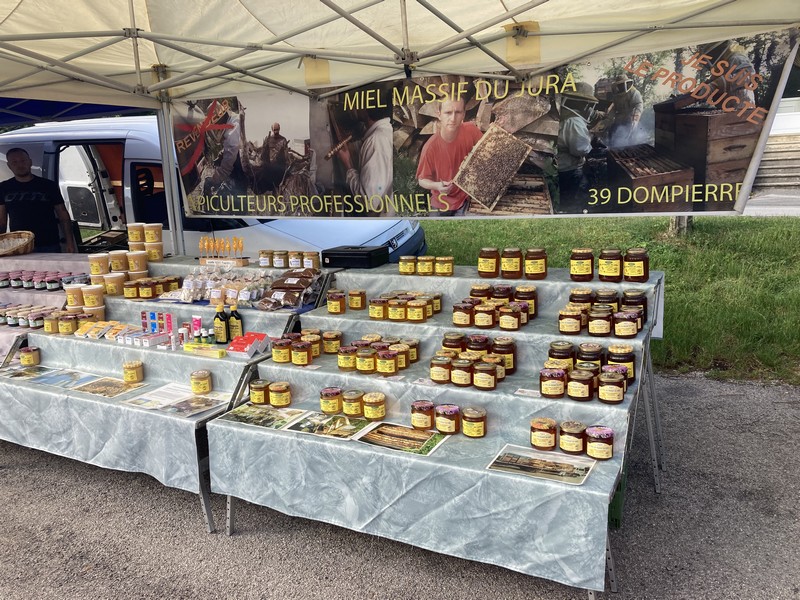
{"x":732,"y":285}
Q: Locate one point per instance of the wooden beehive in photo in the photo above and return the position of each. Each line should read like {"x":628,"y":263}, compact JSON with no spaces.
{"x":526,"y":195}
{"x":641,"y":166}
{"x":488,"y":169}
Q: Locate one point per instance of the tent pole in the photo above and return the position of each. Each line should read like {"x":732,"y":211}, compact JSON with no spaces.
{"x":135,"y":43}
{"x":29,"y":37}
{"x":171,"y":184}
{"x":369,"y":31}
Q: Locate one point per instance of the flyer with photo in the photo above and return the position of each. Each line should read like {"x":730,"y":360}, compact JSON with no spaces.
{"x":335,"y":426}
{"x":177,"y":399}
{"x":263,"y":415}
{"x":403,"y":438}
{"x":556,"y":466}
{"x":107,"y":387}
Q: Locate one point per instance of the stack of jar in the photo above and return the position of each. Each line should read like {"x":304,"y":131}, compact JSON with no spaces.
{"x":474,"y":360}
{"x":612,"y":265}
{"x":288,"y":259}
{"x":147,"y":238}
{"x":572,"y":437}
{"x":587,"y":373}
{"x":512,"y":264}
{"x":602,"y":313}
{"x":292,"y":348}
{"x":497,"y":305}
{"x":449,"y":419}
{"x":373,"y":353}
{"x":353,"y":403}
{"x":426,"y":266}
{"x":400,"y":306}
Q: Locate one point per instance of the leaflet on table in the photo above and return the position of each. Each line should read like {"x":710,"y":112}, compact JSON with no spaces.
{"x":402,"y":437}
{"x":65,"y":378}
{"x":177,"y":399}
{"x":265,"y":416}
{"x":335,"y":426}
{"x":555,"y":466}
{"x":24,"y":373}
{"x":108,"y":387}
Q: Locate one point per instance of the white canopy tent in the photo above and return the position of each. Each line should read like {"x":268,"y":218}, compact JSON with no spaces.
{"x":145,"y":53}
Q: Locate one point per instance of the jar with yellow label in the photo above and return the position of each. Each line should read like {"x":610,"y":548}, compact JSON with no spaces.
{"x":422,"y":414}
{"x":259,"y":391}
{"x":636,"y":265}
{"x":600,"y":442}
{"x":402,"y":351}
{"x":484,"y":316}
{"x":572,"y":437}
{"x":130,"y":289}
{"x":564,"y":352}
{"x":425,"y":265}
{"x":581,"y":264}
{"x":543,"y":433}
{"x":346,"y":358}
{"x":552,"y":383}
{"x":301,"y":353}
{"x":378,"y":309}
{"x":447,"y":419}
{"x":489,"y":263}
{"x":622,"y":354}
{"x":507,"y":348}
{"x":591,"y":367}
{"x":535,"y":263}
{"x":407,"y":265}
{"x":580,"y":385}
{"x":147,"y":288}
{"x":473,"y":421}
{"x":444,"y":266}
{"x":436,"y":303}
{"x":282,"y":351}
{"x":336,"y":303}
{"x":29,"y":356}
{"x":416,"y":311}
{"x":498,"y":362}
{"x":484,"y":376}
{"x":132,"y":371}
{"x":374,"y":406}
{"x":353,"y":403}
{"x":461,"y":373}
{"x":67,"y":324}
{"x":509,"y":318}
{"x":529,"y":294}
{"x":280,"y":394}
{"x":607,"y":296}
{"x":366,"y":361}
{"x":51,"y":323}
{"x":357,"y":299}
{"x":611,"y":388}
{"x":600,"y":323}
{"x":413,"y":348}
{"x":569,"y":321}
{"x":440,"y":367}
{"x":330,"y":400}
{"x":626,"y":324}
{"x":398,"y":310}
{"x":609,"y":265}
{"x":463,"y":314}
{"x":201,"y":381}
{"x":621,"y":369}
{"x":481,"y":290}
{"x":316,"y":344}
{"x":331,"y":341}
{"x":632,"y":299}
{"x":511,"y":263}
{"x":387,"y":363}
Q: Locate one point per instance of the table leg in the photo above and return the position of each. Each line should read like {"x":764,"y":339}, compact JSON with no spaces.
{"x":656,"y":414}
{"x":648,"y":417}
{"x":230,"y":515}
{"x":612,"y":574}
{"x":205,"y":503}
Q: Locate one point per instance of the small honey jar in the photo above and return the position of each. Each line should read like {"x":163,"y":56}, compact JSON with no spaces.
{"x":132,"y":371}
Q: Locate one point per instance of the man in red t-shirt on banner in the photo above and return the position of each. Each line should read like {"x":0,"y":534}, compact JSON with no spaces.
{"x":442,"y":156}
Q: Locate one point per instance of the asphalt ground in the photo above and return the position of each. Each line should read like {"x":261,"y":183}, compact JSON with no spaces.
{"x":725,"y":525}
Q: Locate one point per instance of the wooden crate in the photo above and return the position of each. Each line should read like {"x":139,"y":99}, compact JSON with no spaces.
{"x":641,"y":166}
{"x":526,"y":195}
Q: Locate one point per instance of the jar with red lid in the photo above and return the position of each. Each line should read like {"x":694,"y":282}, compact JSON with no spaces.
{"x":302,"y":354}
{"x":346,"y":358}
{"x":489,"y":263}
{"x":511,"y":263}
{"x":609,"y":265}
{"x":535,"y":263}
{"x":330,"y":400}
{"x":581,"y":264}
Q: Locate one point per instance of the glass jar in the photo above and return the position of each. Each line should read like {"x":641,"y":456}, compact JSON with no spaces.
{"x":402,"y":351}
{"x":509,"y":318}
{"x":481,"y":290}
{"x":591,"y":367}
{"x":425,"y":265}
{"x":378,"y":309}
{"x":529,"y":294}
{"x":600,"y":442}
{"x":511,"y":263}
{"x":416,"y":311}
{"x":67,"y":324}
{"x":413,"y":348}
{"x":572,"y":437}
{"x":447,"y":419}
{"x":636,"y":265}
{"x":581,"y":264}
{"x":301,"y":353}
{"x":374,"y":406}
{"x":387,"y":363}
{"x":463,"y":314}
{"x":461,"y":372}
{"x":330,"y":400}
{"x":621,"y":369}
{"x":543,"y":433}
{"x":609,"y":265}
{"x":280,"y":394}
{"x":600,"y":323}
{"x":428,"y":303}
{"x":436,"y":303}
{"x":552,"y":383}
{"x":607,"y":296}
{"x":132,"y":371}
{"x":590,"y":352}
{"x":147,"y":288}
{"x":422,"y":414}
{"x":311,"y":260}
{"x":478,"y":343}
{"x":440,"y":368}
{"x":632,"y":299}
{"x":259,"y":391}
{"x":336,"y":303}
{"x":346,"y":358}
{"x":626,"y":324}
{"x":372,"y":337}
{"x":454,"y":341}
{"x":569,"y":321}
{"x":580,"y":385}
{"x":265,"y":259}
{"x":505,"y":347}
{"x":611,"y":388}
{"x":201,"y":381}
{"x":353,"y":403}
{"x":502,"y":293}
{"x":444,"y":266}
{"x":489,"y":263}
{"x":581,"y":298}
{"x":280,"y":259}
{"x":398,"y":310}
{"x":29,"y":356}
{"x":295,"y":259}
{"x":130,"y":289}
{"x":357,"y":299}
{"x":535,"y":263}
{"x":498,"y":362}
{"x":366,"y":361}
{"x":484,"y":376}
{"x":484,"y":316}
{"x":407,"y":265}
{"x":622,"y":354}
{"x":51,"y":323}
{"x":473,"y":421}
{"x":331,"y":341}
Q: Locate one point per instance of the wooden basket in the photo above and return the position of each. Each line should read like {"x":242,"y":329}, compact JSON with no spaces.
{"x":16,"y":243}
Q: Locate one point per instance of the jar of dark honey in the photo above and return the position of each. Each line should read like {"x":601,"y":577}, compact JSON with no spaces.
{"x":607,"y":296}
{"x":454,"y":341}
{"x":461,"y":373}
{"x":581,"y":297}
{"x":498,"y":362}
{"x":437,"y":303}
{"x":580,"y":385}
{"x":535,"y":263}
{"x":463,"y":314}
{"x":511,"y":263}
{"x":581,"y":264}
{"x":590,"y":352}
{"x":447,"y":419}
{"x":509,"y":318}
{"x":378,"y":309}
{"x":593,"y":368}
{"x":569,"y":321}
{"x":484,"y":376}
{"x":505,"y":347}
{"x":600,"y":442}
{"x":422,"y":414}
{"x":502,"y":293}
{"x":481,"y":290}
{"x":552,"y":383}
{"x":473,"y":421}
{"x":621,"y":369}
{"x":440,"y":367}
{"x":611,"y":388}
{"x":600,"y":323}
{"x":564,"y":352}
{"x":543,"y":433}
{"x":484,"y":316}
{"x":636,"y":265}
{"x":626,"y":324}
{"x":478,"y":343}
{"x":635,"y":299}
{"x":572,"y":437}
{"x":523,"y":311}
{"x":609,"y":265}
{"x":489,"y":263}
{"x":622,"y":354}
{"x":529,"y":294}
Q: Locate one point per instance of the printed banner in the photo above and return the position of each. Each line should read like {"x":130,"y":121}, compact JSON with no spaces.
{"x":663,"y":132}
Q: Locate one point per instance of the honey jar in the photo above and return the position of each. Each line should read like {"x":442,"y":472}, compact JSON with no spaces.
{"x":378,"y":309}
{"x":607,"y":296}
{"x":353,"y":403}
{"x":357,"y":299}
{"x":443,"y":266}
{"x":374,"y":406}
{"x":280,"y":259}
{"x":511,"y":263}
{"x":302,"y":354}
{"x":632,"y":299}
{"x":636,"y":265}
{"x":543,"y":433}
{"x":621,"y":369}
{"x":481,"y":290}
{"x":552,"y":382}
{"x":611,"y":388}
{"x":67,"y":324}
{"x":407,"y":265}
{"x":498,"y":362}
{"x":330,"y":400}
{"x":29,"y":356}
{"x":440,"y":368}
{"x":130,"y":289}
{"x":473,"y":421}
{"x":316,"y":344}
{"x":371,"y":337}
{"x":201,"y":381}
{"x":502,"y":293}
{"x":416,"y":311}
{"x":282,"y":351}
{"x":366,"y":361}
{"x":484,"y":316}
{"x":437,"y":303}
{"x":403,"y":359}
{"x":398,"y":309}
{"x":600,"y":323}
{"x":622,"y":354}
{"x":387,"y":363}
{"x":564,"y":353}
{"x":132,"y":371}
{"x":626,"y":324}
{"x":425,"y":265}
{"x":535,"y":263}
{"x":336,"y":303}
{"x":569,"y":321}
{"x":572,"y":437}
{"x":581,"y":264}
{"x":580,"y":385}
{"x":295,"y":259}
{"x":505,"y":347}
{"x":259,"y":391}
{"x":51,"y":323}
{"x":447,"y":419}
{"x":484,"y":376}
{"x":422,"y":414}
{"x":311,"y":260}
{"x":489,"y":263}
{"x":609,"y":265}
{"x":331,"y":341}
{"x":461,"y":373}
{"x":413,"y":348}
{"x":600,"y":442}
{"x":280,"y":394}
{"x":463,"y":314}
{"x":509,"y":318}
{"x":529,"y":294}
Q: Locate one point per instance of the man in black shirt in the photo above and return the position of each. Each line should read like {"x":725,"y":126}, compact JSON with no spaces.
{"x":34,"y":204}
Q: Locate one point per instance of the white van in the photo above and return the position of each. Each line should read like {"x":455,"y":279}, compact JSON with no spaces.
{"x":109,"y":171}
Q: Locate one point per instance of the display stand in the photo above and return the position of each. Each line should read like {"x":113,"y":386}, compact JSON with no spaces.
{"x":447,"y":502}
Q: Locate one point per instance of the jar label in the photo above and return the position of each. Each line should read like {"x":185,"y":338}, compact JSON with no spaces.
{"x":508,"y":360}
{"x":611,"y":393}
{"x":437,"y":305}
{"x":397,"y":313}
{"x":421,"y":421}
{"x":501,"y":372}
{"x":402,"y":363}
{"x":280,"y":398}
{"x":264,"y":261}
{"x":510,"y":264}
{"x":28,"y":359}
{"x":377,"y":312}
{"x":417,"y":314}
{"x":484,"y":380}
{"x":408,"y":268}
{"x":509,"y":322}
{"x":330,"y":405}
{"x":365,"y":364}
{"x":129,"y":292}
{"x":543,"y":439}
{"x":625,"y":328}
{"x":445,"y":425}
{"x":73,"y":300}
{"x":535,"y":266}
{"x":487,"y":265}
{"x":295,"y":263}
{"x":599,"y":450}
{"x":144,"y":292}
{"x":355,"y":302}
{"x":387,"y":365}
{"x":444,"y":268}
{"x":460,"y":318}
{"x":580,"y":267}
{"x":111,"y":288}
{"x":258,"y":397}
{"x":335,"y":307}
{"x":412,"y":354}
{"x":66,"y":327}
{"x":424,"y":267}
{"x":576,"y":389}
{"x":352,"y":409}
{"x":279,"y":262}
{"x":281,"y":355}
{"x":631,"y":372}
{"x":374,"y":411}
{"x":634,"y":268}
{"x":346,"y":361}
{"x":50,"y":327}
{"x":484,"y":319}
{"x":570,"y":443}
{"x":569,"y":325}
{"x":132,"y":376}
{"x":314,"y":347}
{"x":474,"y":429}
{"x":331,"y":346}
{"x":608,"y":267}
{"x":440,"y":374}
{"x":201,"y":386}
{"x":308,"y":263}
{"x":460,"y":377}
{"x":95,"y":268}
{"x":299,"y":357}
{"x":552,"y":387}
{"x":599,"y":326}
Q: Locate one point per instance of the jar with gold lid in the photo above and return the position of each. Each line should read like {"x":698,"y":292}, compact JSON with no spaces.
{"x":280,"y":259}
{"x":357,"y":299}
{"x":484,"y":376}
{"x":353,"y":403}
{"x":535,"y":263}
{"x":413,"y":348}
{"x":609,"y":265}
{"x":498,"y":362}
{"x":402,"y":350}
{"x":511,"y":263}
{"x":590,"y":352}
{"x":447,"y":419}
{"x":461,"y":373}
{"x":259,"y":391}
{"x":581,"y":264}
{"x":416,"y":311}
{"x":132,"y":371}
{"x":463,"y":314}
{"x":398,"y":310}
{"x":443,"y":266}
{"x":489,"y":263}
{"x":378,"y":309}
{"x":330,"y":400}
{"x":600,"y":442}
{"x":366,"y":361}
{"x":607,"y":296}
{"x":484,"y":316}
{"x":543,"y":433}
{"x":564,"y":352}
{"x":200,"y":381}
{"x":280,"y":394}
{"x":440,"y":367}
{"x":346,"y":358}
{"x":331,"y":340}
{"x":316,"y":344}
{"x":422,"y":414}
{"x":636,"y":265}
{"x":407,"y":265}
{"x":425,"y":265}
{"x":572,"y":437}
{"x":611,"y":388}
{"x":481,"y":290}
{"x":311,"y":260}
{"x":580,"y":385}
{"x":374,"y":406}
{"x":473,"y":421}
{"x":569,"y":321}
{"x":600,"y":323}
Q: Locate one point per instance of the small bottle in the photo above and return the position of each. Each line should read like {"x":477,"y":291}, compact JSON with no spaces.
{"x":222,"y":331}
{"x":235,"y":325}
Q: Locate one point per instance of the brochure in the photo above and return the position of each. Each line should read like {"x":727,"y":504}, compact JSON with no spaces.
{"x":336,"y":426}
{"x":65,"y":378}
{"x":263,"y":415}
{"x":403,"y":438}
{"x":556,"y":466}
{"x":177,"y":399}
{"x":107,"y":387}
{"x":18,"y":372}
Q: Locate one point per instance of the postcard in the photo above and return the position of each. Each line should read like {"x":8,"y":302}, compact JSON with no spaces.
{"x":178,"y":399}
{"x":555,"y":466}
{"x":403,"y":438}
{"x":263,"y":415}
{"x":65,"y":378}
{"x":336,"y":426}
{"x":107,"y":387}
{"x":23,"y":373}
